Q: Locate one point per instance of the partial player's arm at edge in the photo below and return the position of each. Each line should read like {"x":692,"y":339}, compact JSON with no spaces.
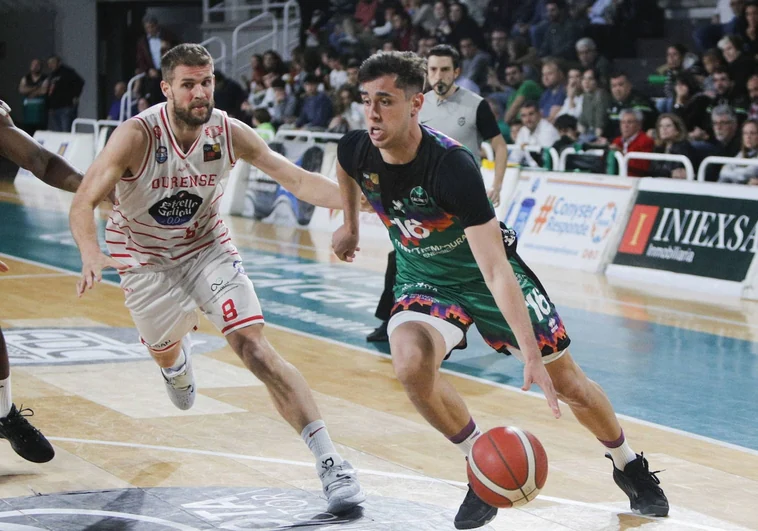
{"x":127,"y":144}
{"x":351,"y":198}
{"x":308,"y":186}
{"x":50,"y":168}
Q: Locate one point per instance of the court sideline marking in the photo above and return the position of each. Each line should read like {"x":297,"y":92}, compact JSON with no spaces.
{"x":506,"y":387}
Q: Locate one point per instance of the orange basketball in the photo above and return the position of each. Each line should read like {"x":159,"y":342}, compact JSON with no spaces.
{"x":507,"y":467}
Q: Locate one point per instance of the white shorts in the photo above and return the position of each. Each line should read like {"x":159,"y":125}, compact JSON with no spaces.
{"x":164,"y":304}
{"x":451,"y":334}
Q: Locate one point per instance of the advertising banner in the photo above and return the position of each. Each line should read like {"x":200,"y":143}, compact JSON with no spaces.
{"x":698,"y":229}
{"x":569,"y":220}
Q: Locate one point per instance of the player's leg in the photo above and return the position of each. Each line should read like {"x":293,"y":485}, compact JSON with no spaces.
{"x":231,"y":304}
{"x":164,"y":314}
{"x":26,"y":440}
{"x":419,"y":342}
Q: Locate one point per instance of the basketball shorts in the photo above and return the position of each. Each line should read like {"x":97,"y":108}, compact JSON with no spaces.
{"x":452,"y":310}
{"x":164,"y":303}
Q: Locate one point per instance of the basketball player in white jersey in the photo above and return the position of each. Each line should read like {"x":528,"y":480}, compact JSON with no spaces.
{"x":174,"y":253}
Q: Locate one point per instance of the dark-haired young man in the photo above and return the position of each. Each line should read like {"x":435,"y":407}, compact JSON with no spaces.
{"x":175,"y":254}
{"x":456,"y":266}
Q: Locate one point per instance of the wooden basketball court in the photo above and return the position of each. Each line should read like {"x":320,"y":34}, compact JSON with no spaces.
{"x":127,"y":459}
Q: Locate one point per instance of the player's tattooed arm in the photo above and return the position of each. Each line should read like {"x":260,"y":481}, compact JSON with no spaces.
{"x":123,"y":155}
{"x":23,"y":150}
{"x":307,"y":186}
{"x":487,"y":247}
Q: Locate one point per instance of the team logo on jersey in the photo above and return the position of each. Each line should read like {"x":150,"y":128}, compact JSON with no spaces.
{"x":371,"y":180}
{"x":211,"y":152}
{"x":161,"y":154}
{"x":177,"y":209}
{"x":213,"y":131}
{"x":419,"y":197}
{"x":462,"y":121}
{"x":157,"y":131}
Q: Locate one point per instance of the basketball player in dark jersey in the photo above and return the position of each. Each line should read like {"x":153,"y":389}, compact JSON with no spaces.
{"x":454,"y":270}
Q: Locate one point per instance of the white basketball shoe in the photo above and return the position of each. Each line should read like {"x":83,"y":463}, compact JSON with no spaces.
{"x":180,"y":383}
{"x":341,"y":486}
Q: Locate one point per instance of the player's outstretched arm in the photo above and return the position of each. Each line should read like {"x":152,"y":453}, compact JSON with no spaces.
{"x":308,"y":186}
{"x":23,"y":150}
{"x":122,"y":154}
{"x":345,"y":239}
{"x":501,"y":163}
{"x":487,"y":246}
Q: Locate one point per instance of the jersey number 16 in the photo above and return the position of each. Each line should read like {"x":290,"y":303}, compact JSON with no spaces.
{"x":411,"y":228}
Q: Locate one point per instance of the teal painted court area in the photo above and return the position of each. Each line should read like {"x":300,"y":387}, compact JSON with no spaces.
{"x":692,"y":381}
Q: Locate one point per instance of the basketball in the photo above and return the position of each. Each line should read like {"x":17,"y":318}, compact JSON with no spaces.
{"x":507,"y":467}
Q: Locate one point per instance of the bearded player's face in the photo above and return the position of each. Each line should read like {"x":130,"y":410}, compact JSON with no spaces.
{"x":190,"y":93}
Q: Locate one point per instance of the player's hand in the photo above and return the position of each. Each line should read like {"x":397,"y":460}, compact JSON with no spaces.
{"x":536,"y":373}
{"x":345,"y":244}
{"x":92,"y":268}
{"x":494,"y":196}
{"x":3,"y":267}
{"x":4,"y":108}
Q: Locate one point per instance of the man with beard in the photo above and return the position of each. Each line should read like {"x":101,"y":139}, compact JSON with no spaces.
{"x":462,"y":115}
{"x":174,"y":252}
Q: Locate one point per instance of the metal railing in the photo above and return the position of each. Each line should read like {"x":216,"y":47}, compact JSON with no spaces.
{"x":689,"y":170}
{"x":307,"y":136}
{"x":219,"y":63}
{"x":126,"y":100}
{"x":237,"y":50}
{"x":229,"y":10}
{"x":290,"y":24}
{"x":723,"y":160}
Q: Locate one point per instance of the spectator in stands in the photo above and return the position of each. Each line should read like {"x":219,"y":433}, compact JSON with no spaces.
{"x":114,"y":110}
{"x":463,"y":26}
{"x":273,"y":63}
{"x":403,"y":33}
{"x":523,"y":90}
{"x":572,"y":105}
{"x":317,"y":108}
{"x":385,"y":30}
{"x":365,"y":13}
{"x":149,"y":45}
{"x":673,"y":67}
{"x":442,"y":16}
{"x":308,"y":26}
{"x":343,"y":38}
{"x":595,"y":101}
{"x":422,"y":15}
{"x":712,"y":59}
{"x":425,"y":44}
{"x":553,"y":79}
{"x":749,"y":33}
{"x":741,"y":174}
{"x":497,"y":110}
{"x":536,"y":132}
{"x":586,"y":50}
{"x":353,"y":65}
{"x":348,"y":111}
{"x":625,"y":97}
{"x":255,"y":83}
{"x":474,"y":63}
{"x":284,"y":108}
{"x":64,"y":89}
{"x":739,"y":65}
{"x":261,"y":121}
{"x":752,"y":92}
{"x":726,"y":142}
{"x":567,"y":128}
{"x":692,"y":107}
{"x":142,"y":105}
{"x":727,"y":93}
{"x":498,"y":15}
{"x":561,"y":34}
{"x":33,"y":87}
{"x":670,"y":138}
{"x":338,"y":74}
{"x":521,"y":53}
{"x":228,"y":95}
{"x":499,"y":57}
{"x":707,"y":36}
{"x":633,"y":138}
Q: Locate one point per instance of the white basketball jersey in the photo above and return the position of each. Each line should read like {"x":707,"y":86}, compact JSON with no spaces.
{"x":168,"y":211}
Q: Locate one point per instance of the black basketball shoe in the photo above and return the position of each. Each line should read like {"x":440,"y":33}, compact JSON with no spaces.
{"x":474,"y":512}
{"x":641,"y":485}
{"x":25,"y":439}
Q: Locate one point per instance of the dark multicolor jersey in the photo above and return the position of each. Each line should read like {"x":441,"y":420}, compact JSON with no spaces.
{"x":426,"y":205}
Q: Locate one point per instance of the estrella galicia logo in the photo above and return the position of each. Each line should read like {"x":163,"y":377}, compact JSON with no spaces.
{"x":161,"y":154}
{"x":177,"y":209}
{"x":419,"y":197}
{"x":211,"y":152}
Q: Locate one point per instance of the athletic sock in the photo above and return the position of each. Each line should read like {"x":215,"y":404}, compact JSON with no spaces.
{"x":620,"y":451}
{"x":464,"y":440}
{"x":178,"y":364}
{"x":316,"y":437}
{"x":6,"y":400}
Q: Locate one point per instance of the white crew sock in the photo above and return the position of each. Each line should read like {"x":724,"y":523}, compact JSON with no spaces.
{"x":178,"y":364}
{"x":621,"y":453}
{"x":465,"y":439}
{"x":320,"y":444}
{"x":6,"y":400}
